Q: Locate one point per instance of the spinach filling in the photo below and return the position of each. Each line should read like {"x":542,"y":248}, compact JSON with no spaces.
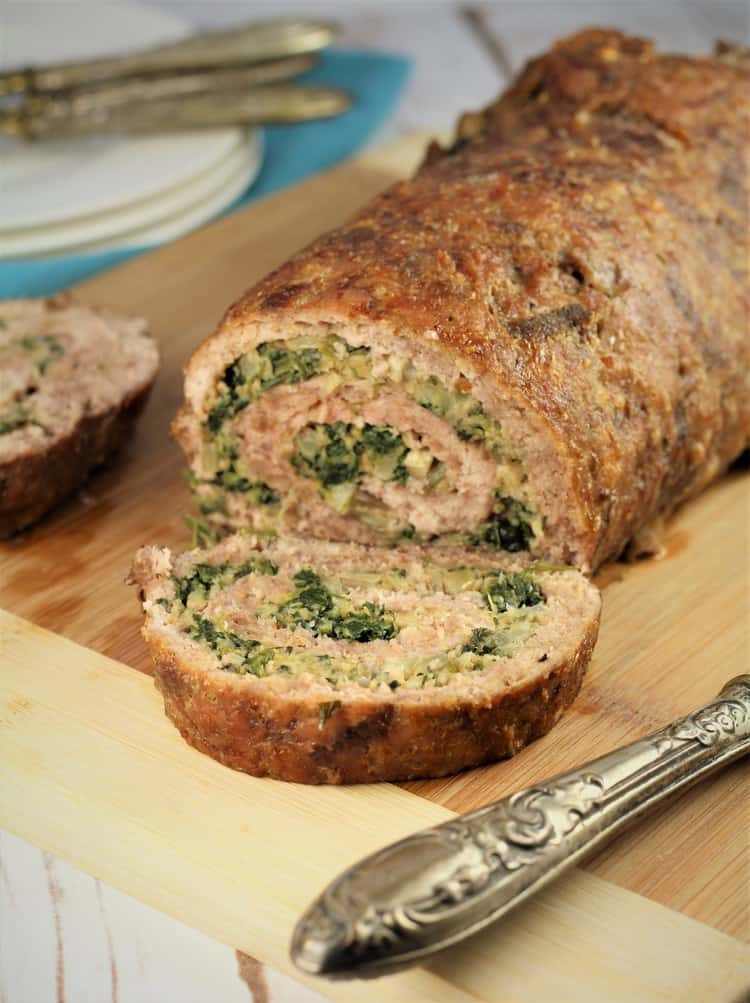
{"x":43,"y":349}
{"x":325,"y":610}
{"x":192,"y":592}
{"x":16,"y":417}
{"x":274,"y":363}
{"x":484,"y":641}
{"x":338,"y":454}
{"x":195,"y":588}
{"x":329,"y":453}
{"x":246,"y":654}
{"x":229,"y":478}
{"x":313,"y":606}
{"x":270,"y":365}
{"x":464,"y":412}
{"x":508,"y":528}
{"x":506,"y":590}
{"x":502,"y":591}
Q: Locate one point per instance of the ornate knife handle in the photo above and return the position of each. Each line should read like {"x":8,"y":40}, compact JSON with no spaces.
{"x":437,"y":887}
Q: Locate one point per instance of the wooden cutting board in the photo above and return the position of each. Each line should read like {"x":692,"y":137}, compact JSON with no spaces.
{"x":96,"y":774}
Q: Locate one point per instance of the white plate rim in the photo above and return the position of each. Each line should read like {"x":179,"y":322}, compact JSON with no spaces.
{"x":145,"y":213}
{"x":170,"y":229}
{"x":209,"y":147}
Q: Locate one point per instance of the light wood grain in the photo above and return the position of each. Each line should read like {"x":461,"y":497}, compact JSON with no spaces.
{"x":68,"y":936}
{"x":673,"y":630}
{"x":94,"y":773}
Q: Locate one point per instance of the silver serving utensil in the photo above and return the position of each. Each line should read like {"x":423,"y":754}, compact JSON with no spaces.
{"x":128,"y":90}
{"x":61,"y":118}
{"x":433,"y":889}
{"x":250,"y":43}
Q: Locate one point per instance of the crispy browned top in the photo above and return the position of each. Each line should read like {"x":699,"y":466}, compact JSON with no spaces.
{"x":584,"y":243}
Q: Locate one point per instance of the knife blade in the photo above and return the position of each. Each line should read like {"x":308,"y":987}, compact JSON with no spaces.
{"x":59,"y":119}
{"x":255,"y":42}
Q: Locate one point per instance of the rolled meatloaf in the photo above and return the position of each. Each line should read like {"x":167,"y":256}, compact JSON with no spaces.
{"x":72,"y":382}
{"x":538,"y":344}
{"x":336,"y":663}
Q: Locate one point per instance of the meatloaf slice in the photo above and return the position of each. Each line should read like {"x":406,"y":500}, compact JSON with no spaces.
{"x":326,"y":662}
{"x":72,"y":382}
{"x":539,"y":343}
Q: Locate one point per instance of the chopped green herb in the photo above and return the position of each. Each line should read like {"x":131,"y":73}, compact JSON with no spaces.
{"x":508,"y":528}
{"x":240,"y":654}
{"x":270,"y":365}
{"x":315,"y":608}
{"x":17,"y":417}
{"x":44,"y":349}
{"x":257,"y":492}
{"x":327,"y":709}
{"x":195,"y":588}
{"x":504,"y":590}
{"x":226,"y":406}
{"x":464,"y":412}
{"x":287,"y":365}
{"x":381,"y":439}
{"x":203,"y":534}
{"x":484,"y":641}
{"x":328,"y":453}
{"x":337,"y":452}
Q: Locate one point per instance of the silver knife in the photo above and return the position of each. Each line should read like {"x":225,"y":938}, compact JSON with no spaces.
{"x":433,"y":889}
{"x":246,"y":43}
{"x":60,"y":118}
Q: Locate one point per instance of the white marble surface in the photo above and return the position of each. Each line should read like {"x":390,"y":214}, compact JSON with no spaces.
{"x":64,"y":936}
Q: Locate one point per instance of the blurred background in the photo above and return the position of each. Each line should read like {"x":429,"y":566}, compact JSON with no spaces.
{"x":70,"y":207}
{"x":463,"y":52}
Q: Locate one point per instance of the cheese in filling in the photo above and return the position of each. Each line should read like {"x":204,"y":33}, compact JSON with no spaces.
{"x":368,"y":627}
{"x":360,"y":468}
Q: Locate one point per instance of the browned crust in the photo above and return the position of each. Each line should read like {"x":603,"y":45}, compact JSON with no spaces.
{"x":34,"y":483}
{"x":364,"y":740}
{"x":585,"y":249}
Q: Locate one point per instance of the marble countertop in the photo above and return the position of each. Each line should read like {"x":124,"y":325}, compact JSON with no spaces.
{"x":66,"y":937}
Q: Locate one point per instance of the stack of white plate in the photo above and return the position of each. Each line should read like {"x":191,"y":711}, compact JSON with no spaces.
{"x":100,"y":193}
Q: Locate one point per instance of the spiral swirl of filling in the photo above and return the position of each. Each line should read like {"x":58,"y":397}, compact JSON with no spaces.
{"x":337,"y":441}
{"x":367,"y":623}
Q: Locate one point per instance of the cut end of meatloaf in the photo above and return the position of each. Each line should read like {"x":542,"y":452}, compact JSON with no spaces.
{"x":524,"y":327}
{"x":361,"y":432}
{"x":72,"y":382}
{"x":323,"y":662}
